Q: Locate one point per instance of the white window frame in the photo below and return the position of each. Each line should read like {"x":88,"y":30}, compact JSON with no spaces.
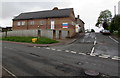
{"x":23,"y":23}
{"x":32,"y":22}
{"x":52,"y":24}
{"x":42,"y":22}
{"x":18,"y":23}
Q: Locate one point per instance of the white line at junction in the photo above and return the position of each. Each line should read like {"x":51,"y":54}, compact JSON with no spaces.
{"x":9,"y":72}
{"x":113,"y":39}
{"x":92,"y":51}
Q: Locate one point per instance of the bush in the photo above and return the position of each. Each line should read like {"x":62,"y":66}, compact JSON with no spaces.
{"x":92,"y":30}
{"x":115,"y":24}
{"x":119,"y":32}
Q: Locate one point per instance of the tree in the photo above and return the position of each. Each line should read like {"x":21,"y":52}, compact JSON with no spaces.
{"x":92,"y":30}
{"x":105,"y":25}
{"x":115,"y":24}
{"x":104,"y":19}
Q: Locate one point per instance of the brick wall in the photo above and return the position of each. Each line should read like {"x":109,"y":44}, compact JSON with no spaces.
{"x":46,"y":25}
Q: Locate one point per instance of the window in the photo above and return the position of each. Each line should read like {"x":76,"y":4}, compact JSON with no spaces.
{"x":32,"y":22}
{"x":73,"y":23}
{"x":18,"y":23}
{"x":42,"y":22}
{"x":23,"y":23}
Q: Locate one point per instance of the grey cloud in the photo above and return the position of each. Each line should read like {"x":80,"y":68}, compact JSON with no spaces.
{"x":10,"y":9}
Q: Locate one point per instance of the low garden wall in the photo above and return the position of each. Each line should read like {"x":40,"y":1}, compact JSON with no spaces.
{"x":53,"y":34}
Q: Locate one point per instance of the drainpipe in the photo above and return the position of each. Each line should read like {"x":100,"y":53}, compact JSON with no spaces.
{"x":47,"y":23}
{"x":27,"y":24}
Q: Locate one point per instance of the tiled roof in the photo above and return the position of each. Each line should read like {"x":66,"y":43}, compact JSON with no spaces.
{"x":44,"y":14}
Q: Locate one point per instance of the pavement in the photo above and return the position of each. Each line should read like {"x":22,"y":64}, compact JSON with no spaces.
{"x":61,"y":41}
{"x":106,"y":46}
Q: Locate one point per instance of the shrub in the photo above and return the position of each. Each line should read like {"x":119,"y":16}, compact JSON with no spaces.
{"x":92,"y":30}
{"x":119,"y":32}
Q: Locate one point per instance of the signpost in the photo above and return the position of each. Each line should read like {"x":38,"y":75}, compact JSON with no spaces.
{"x":65,"y":25}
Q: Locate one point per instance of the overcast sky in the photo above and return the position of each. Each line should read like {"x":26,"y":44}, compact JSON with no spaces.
{"x":88,"y":10}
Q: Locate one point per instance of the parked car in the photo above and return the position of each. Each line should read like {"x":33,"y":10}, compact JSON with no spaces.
{"x":105,"y":32}
{"x":101,"y":31}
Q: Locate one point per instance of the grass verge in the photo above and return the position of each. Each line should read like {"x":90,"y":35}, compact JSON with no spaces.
{"x":41,"y":40}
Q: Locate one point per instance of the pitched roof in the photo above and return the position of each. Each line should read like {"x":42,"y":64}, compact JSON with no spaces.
{"x":44,"y":14}
{"x":80,"y":20}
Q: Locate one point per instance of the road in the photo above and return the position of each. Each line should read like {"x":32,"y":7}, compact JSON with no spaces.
{"x":106,"y":46}
{"x":64,"y":60}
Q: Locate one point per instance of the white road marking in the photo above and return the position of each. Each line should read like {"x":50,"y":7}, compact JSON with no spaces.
{"x":93,"y":55}
{"x":104,"y":56}
{"x":107,"y":55}
{"x":95,"y":38}
{"x":38,"y":47}
{"x":9,"y":72}
{"x":66,"y":50}
{"x":47,"y":48}
{"x":52,"y":49}
{"x":116,"y":58}
{"x":92,"y":51}
{"x":82,"y":53}
{"x":34,"y":46}
{"x":94,"y":42}
{"x":59,"y":50}
{"x":113,"y":39}
{"x":73,"y":52}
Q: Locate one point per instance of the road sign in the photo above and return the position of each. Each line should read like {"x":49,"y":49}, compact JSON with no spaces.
{"x":65,"y":25}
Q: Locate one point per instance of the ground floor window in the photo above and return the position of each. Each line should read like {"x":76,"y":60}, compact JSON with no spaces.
{"x":18,"y":23}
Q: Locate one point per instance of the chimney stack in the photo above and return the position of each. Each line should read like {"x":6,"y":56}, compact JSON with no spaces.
{"x":78,"y":16}
{"x":55,"y":8}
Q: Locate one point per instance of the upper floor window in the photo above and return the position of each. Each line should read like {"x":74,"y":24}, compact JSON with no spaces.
{"x":42,"y":22}
{"x":23,"y":23}
{"x":32,"y":22}
{"x":73,"y":23}
{"x":18,"y":23}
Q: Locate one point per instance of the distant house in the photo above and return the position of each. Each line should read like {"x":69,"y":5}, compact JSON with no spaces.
{"x":79,"y":25}
{"x":56,"y":19}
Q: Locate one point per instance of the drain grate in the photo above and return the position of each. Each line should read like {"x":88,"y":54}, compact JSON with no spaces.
{"x":91,"y":73}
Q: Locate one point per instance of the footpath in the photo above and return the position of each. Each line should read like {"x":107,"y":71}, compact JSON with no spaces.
{"x":61,"y":42}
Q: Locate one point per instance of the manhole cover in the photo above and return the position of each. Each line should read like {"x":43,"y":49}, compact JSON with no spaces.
{"x":91,"y":73}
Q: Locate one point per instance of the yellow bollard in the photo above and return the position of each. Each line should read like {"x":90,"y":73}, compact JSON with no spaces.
{"x":34,"y":40}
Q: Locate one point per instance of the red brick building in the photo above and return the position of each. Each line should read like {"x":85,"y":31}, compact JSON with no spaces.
{"x":50,"y":19}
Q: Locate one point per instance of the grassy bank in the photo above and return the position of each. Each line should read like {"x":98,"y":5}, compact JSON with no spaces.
{"x":41,"y":40}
